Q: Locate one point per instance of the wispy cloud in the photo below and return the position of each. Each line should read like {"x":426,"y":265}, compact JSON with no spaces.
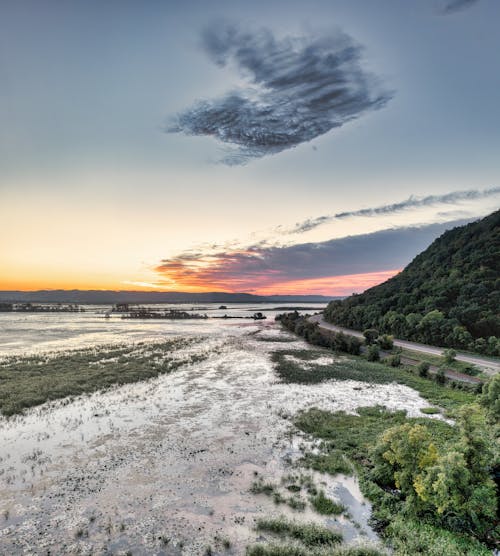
{"x":410,"y":203}
{"x":259,"y":268}
{"x":452,"y":6}
{"x":298,"y":88}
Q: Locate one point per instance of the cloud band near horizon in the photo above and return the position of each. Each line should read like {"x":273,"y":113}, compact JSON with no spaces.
{"x":343,"y":265}
{"x":410,"y":203}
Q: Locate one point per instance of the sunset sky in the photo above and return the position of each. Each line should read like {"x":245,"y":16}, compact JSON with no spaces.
{"x":266,"y":146}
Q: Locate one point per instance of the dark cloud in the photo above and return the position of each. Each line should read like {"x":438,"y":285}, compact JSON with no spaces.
{"x":452,"y":6}
{"x":411,"y":202}
{"x":298,"y":89}
{"x":256,"y":267}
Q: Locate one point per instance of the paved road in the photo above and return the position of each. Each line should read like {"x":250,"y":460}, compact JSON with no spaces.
{"x":487,"y":365}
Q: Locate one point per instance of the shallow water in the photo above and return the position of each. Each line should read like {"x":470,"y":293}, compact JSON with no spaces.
{"x":172,"y":458}
{"x":22,"y":333}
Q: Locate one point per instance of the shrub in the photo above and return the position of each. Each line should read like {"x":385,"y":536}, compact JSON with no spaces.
{"x":373,"y":353}
{"x":385,"y":342}
{"x":423,"y":369}
{"x":449,"y":355}
{"x":370,"y":334}
{"x":354,"y":345}
{"x":326,"y":506}
{"x":394,"y":360}
{"x":440,"y":376}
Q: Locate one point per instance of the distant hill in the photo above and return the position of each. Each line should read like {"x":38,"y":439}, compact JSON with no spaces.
{"x":449,"y":295}
{"x":110,"y":297}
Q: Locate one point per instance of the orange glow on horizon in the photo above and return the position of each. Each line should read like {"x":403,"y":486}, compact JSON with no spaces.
{"x":331,"y":285}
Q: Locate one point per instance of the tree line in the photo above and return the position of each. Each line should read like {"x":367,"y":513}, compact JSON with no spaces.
{"x":449,"y":295}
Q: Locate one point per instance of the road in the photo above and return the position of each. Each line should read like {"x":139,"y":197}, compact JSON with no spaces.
{"x":489,"y":366}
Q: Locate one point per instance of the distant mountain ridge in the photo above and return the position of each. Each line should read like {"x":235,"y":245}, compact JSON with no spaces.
{"x":111,"y":297}
{"x":449,"y":295}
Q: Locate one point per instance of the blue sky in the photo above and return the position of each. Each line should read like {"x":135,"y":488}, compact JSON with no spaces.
{"x":90,"y":88}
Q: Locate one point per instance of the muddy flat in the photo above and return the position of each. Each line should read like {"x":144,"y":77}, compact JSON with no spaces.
{"x":166,"y":466}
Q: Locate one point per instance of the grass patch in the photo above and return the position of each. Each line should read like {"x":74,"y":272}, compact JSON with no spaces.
{"x":354,"y":435}
{"x":277,"y":550}
{"x":269,"y":489}
{"x":326,"y":506}
{"x":414,"y":537}
{"x":356,"y":368}
{"x":310,"y":534}
{"x":261,"y":487}
{"x":277,"y":339}
{"x":334,"y":462}
{"x":438,"y":361}
{"x":30,"y":381}
{"x":294,"y":550}
{"x":430,"y":410}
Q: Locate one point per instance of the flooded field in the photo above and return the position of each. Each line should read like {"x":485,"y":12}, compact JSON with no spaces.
{"x":166,"y":466}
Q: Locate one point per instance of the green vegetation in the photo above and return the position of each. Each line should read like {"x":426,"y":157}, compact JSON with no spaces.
{"x":310,"y":534}
{"x":30,"y":381}
{"x":423,"y":369}
{"x":337,"y":341}
{"x":430,"y":482}
{"x":430,"y":410}
{"x":297,"y":550}
{"x":411,"y":537}
{"x":373,"y":353}
{"x":261,"y":487}
{"x":332,"y":462}
{"x":270,"y":489}
{"x":277,"y":550}
{"x":289,"y":367}
{"x":448,"y":295}
{"x":324,"y":505}
{"x":438,"y":361}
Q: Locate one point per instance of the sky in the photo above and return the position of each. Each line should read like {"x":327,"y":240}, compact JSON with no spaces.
{"x":270,"y":146}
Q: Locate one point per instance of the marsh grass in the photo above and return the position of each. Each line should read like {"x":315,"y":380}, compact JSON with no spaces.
{"x":29,"y":381}
{"x":310,"y":534}
{"x":334,"y":462}
{"x":356,"y":368}
{"x":353,"y":436}
{"x":294,"y":550}
{"x":325,"y":506}
{"x":430,"y":410}
{"x":269,"y":489}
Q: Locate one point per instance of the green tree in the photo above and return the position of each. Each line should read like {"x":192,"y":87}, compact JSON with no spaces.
{"x":490,"y":398}
{"x":449,"y":355}
{"x":459,"y":485}
{"x":370,"y":334}
{"x":423,"y":369}
{"x":401,"y":454}
{"x":385,"y":342}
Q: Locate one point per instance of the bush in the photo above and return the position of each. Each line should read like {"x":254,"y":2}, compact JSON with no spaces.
{"x":394,"y":360}
{"x":370,"y":335}
{"x":449,"y":355}
{"x":440,"y":376}
{"x":386,"y":342}
{"x":373,"y":353}
{"x":423,"y":369}
{"x":354,"y":345}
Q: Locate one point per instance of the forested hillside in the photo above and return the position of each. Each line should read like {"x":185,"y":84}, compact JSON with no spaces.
{"x":449,"y":295}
